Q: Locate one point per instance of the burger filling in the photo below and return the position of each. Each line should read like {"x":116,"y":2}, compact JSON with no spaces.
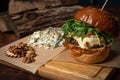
{"x":90,"y":41}
{"x":84,"y":36}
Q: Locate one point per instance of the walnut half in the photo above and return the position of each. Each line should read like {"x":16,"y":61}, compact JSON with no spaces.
{"x":29,"y":57}
{"x":21,"y":50}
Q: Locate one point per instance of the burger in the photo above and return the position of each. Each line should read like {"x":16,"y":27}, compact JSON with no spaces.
{"x":89,"y":36}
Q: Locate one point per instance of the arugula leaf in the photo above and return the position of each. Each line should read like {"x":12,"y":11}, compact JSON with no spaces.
{"x":108,"y":38}
{"x":79,"y":28}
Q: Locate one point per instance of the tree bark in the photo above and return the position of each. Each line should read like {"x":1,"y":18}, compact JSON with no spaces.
{"x":17,"y":6}
{"x":28,"y":22}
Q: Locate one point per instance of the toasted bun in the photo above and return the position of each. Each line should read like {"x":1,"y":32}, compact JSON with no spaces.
{"x":98,"y":19}
{"x":88,"y":55}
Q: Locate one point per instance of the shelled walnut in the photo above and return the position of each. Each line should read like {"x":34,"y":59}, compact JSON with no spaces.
{"x":21,"y":50}
{"x":29,"y":57}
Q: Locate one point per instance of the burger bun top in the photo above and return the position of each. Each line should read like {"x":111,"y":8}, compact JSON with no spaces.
{"x":99,"y":19}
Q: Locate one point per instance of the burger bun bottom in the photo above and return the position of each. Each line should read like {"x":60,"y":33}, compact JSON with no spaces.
{"x":96,"y":55}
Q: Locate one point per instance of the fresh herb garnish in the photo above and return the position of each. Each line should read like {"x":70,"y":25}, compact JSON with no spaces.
{"x":79,"y":28}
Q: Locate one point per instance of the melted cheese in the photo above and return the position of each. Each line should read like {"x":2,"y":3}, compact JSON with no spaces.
{"x":89,"y":42}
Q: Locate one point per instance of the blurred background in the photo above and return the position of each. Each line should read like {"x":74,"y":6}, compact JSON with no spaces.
{"x":111,"y":3}
{"x":100,"y":2}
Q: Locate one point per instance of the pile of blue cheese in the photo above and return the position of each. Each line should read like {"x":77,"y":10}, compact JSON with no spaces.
{"x":47,"y":38}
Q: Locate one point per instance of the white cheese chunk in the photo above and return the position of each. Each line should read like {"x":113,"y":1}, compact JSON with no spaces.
{"x":89,"y":42}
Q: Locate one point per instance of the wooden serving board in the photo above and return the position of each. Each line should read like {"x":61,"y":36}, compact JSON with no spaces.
{"x":58,"y":70}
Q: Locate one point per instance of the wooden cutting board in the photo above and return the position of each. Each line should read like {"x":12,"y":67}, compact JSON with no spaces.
{"x":58,"y":70}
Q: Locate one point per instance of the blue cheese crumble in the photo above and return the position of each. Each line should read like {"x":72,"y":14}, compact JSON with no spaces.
{"x":47,"y":38}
